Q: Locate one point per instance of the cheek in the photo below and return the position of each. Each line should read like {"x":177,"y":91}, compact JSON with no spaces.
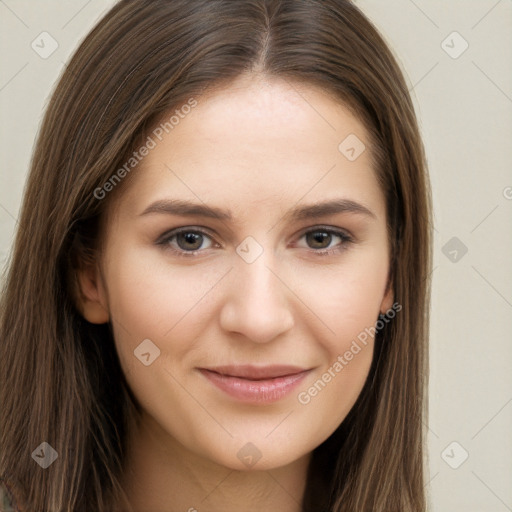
{"x":349,"y":306}
{"x":149,"y":299}
{"x":335,"y":390}
{"x":346,"y":298}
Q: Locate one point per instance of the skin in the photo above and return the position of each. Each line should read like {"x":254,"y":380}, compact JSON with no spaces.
{"x":258,"y":149}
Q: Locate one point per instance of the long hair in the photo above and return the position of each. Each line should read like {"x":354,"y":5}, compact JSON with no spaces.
{"x":61,"y":381}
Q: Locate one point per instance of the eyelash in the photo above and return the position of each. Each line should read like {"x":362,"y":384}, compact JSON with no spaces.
{"x":166,"y":238}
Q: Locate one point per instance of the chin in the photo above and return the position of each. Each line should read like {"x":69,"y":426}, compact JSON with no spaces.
{"x":258,"y":454}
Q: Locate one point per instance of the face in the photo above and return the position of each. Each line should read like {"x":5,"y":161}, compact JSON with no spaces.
{"x":242,"y":262}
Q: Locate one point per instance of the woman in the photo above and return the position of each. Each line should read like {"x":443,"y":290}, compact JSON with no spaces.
{"x":218,"y":294}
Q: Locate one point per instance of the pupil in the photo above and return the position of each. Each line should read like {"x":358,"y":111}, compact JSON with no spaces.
{"x":319,"y":239}
{"x":189,"y":241}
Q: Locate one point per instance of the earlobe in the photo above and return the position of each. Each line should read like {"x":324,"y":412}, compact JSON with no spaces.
{"x":93,"y":305}
{"x":387,"y":300}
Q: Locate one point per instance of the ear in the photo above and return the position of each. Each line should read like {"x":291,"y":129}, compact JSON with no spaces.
{"x":92,"y":297}
{"x":387,"y":300}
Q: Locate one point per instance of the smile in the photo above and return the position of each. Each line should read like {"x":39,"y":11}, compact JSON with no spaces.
{"x":258,"y":385}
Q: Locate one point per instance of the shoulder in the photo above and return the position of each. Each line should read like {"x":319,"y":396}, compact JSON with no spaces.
{"x":7,"y":500}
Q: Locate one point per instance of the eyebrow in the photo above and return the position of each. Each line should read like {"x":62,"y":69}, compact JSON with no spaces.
{"x":189,"y":208}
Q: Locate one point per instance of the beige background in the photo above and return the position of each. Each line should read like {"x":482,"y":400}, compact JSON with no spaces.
{"x":464,"y":102}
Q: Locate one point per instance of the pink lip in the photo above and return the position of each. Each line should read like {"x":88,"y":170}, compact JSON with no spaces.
{"x":261,"y":385}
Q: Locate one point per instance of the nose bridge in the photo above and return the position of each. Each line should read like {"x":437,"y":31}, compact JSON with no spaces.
{"x":258,"y":280}
{"x":257,"y":304}
{"x":253,"y":264}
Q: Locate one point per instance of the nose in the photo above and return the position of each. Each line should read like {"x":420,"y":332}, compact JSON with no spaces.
{"x":257,"y":303}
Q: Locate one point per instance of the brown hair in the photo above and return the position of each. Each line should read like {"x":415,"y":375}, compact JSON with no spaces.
{"x":61,"y":380}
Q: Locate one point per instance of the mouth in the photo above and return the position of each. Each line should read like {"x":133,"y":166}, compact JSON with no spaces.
{"x":258,"y":385}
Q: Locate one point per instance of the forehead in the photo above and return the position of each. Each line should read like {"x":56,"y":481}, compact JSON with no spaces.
{"x":269,"y":110}
{"x":257,"y":140}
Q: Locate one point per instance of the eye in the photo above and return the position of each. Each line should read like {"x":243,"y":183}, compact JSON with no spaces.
{"x":326,"y":240}
{"x":191,"y":242}
{"x":186,"y":241}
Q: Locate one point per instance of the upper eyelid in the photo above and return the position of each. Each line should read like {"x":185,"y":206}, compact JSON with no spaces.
{"x":184,"y":229}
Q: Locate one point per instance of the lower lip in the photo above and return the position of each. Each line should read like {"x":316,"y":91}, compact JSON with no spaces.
{"x":256,"y":391}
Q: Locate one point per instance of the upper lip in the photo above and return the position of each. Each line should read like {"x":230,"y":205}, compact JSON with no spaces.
{"x":257,"y":372}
